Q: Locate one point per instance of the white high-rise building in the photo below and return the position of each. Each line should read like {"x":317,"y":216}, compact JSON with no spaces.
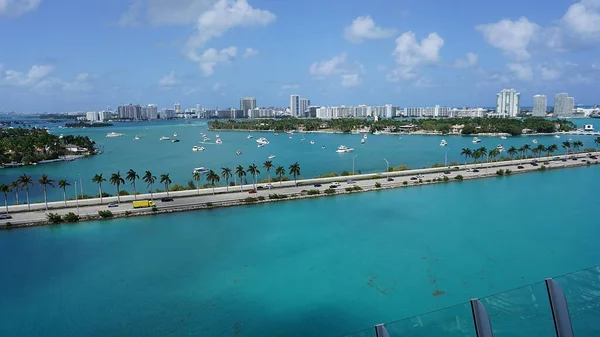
{"x":539,"y":106}
{"x":508,"y":103}
{"x":303,"y":104}
{"x":104,"y":116}
{"x":247,"y":104}
{"x":177,"y":108}
{"x":563,"y":105}
{"x":152,"y":111}
{"x":295,"y":105}
{"x":92,"y":116}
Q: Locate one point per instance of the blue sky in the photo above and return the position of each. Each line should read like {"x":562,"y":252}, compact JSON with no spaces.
{"x":66,"y":55}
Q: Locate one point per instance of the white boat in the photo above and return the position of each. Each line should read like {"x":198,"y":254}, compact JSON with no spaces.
{"x":556,"y":136}
{"x":443,"y":142}
{"x":362,"y":141}
{"x":365,"y":136}
{"x":219,"y":141}
{"x":262,"y":141}
{"x":201,"y":170}
{"x":113,"y":134}
{"x":61,"y":136}
{"x":175,"y":134}
{"x":303,"y":139}
{"x":175,"y":141}
{"x":534,"y":141}
{"x":290,"y":137}
{"x":323,"y":147}
{"x":312,"y":142}
{"x":503,"y":137}
{"x":588,"y":127}
{"x":376,"y":133}
{"x":476,"y":140}
{"x":197,"y":148}
{"x":276,"y":134}
{"x":500,"y":147}
{"x":261,"y":145}
{"x":344,"y":149}
{"x":238,"y":152}
{"x":249,"y":137}
{"x":217,"y":135}
{"x":272,"y":156}
{"x":164,"y":138}
{"x":137,"y":137}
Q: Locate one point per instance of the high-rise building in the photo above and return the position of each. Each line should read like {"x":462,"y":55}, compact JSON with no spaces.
{"x":247,"y":104}
{"x":508,"y":103}
{"x":130,"y":111}
{"x":303,"y":105}
{"x":151,"y":112}
{"x":295,"y":105}
{"x":92,"y":116}
{"x":563,"y":105}
{"x":177,"y":108}
{"x":539,"y":106}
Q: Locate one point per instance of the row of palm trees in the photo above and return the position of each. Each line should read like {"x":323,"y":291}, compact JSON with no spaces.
{"x":523,"y":150}
{"x":25,"y":181}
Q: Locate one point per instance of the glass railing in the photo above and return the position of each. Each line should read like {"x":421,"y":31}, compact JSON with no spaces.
{"x":521,"y":312}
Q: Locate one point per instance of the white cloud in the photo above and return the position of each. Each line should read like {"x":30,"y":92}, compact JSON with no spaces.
{"x":164,"y":12}
{"x":548,"y":74}
{"x":424,"y":82}
{"x":212,"y":57}
{"x":17,"y":7}
{"x":38,"y":80}
{"x":169,"y":80}
{"x":512,"y":37}
{"x":583,"y":18}
{"x":224,"y":16}
{"x":522,"y":72}
{"x":82,"y":77}
{"x":218,"y":86}
{"x":364,"y":28}
{"x":409,"y":54}
{"x":350,"y":80}
{"x":31,"y":78}
{"x":250,"y":52}
{"x":290,"y":86}
{"x":349,"y":73}
{"x":469,"y":61}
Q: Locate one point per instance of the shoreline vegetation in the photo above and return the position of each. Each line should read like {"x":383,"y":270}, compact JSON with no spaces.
{"x":385,"y":180}
{"x":20,"y":146}
{"x":87,"y":125}
{"x":447,"y":126}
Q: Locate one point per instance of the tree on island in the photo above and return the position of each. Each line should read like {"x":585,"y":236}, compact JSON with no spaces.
{"x":566,"y":145}
{"x":5,"y":189}
{"x":597,"y":141}
{"x":540,"y":149}
{"x":551,"y":149}
{"x":577,"y":145}
{"x":62,"y":184}
{"x":467,"y":153}
{"x":476,"y":155}
{"x":212,"y":177}
{"x":268,"y":165}
{"x":512,"y":151}
{"x":15,"y":187}
{"x":240,"y":172}
{"x":132,"y":176}
{"x":117,"y":180}
{"x":226,"y":173}
{"x":280,"y":171}
{"x":253,"y":170}
{"x":164,"y":179}
{"x":99,"y":179}
{"x":294,"y":170}
{"x":26,"y":181}
{"x":494,"y":153}
{"x":149,"y":179}
{"x":197,"y":177}
{"x":44,"y":181}
{"x":526,"y":148}
{"x":483,"y":152}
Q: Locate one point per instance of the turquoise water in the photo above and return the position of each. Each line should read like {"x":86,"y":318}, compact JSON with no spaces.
{"x":325,"y":266}
{"x":178,"y":159}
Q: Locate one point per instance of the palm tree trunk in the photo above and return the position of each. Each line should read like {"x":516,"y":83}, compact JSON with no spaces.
{"x":254,"y":181}
{"x":6,"y":203}
{"x":167,"y":186}
{"x":45,"y":198}
{"x":241,"y":184}
{"x":100,"y":190}
{"x":17,"y":197}
{"x":118,"y":195}
{"x":269,"y":174}
{"x":27,"y":196}
{"x":227,"y":184}
{"x":280,"y":180}
{"x":198,"y":186}
{"x":134,"y":191}
{"x":213,"y":188}
{"x":151,"y":195}
{"x":65,"y":196}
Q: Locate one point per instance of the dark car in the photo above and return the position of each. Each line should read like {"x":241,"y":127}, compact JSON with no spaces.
{"x":166,"y":199}
{"x":593,"y":157}
{"x":575,"y":159}
{"x":413,"y":178}
{"x":475,"y":170}
{"x":333,"y":186}
{"x":534,"y":164}
{"x":456,"y":168}
{"x":563,"y":160}
{"x":446,"y":172}
{"x":5,"y":216}
{"x":351,"y":181}
{"x":520,"y":167}
{"x":259,"y":187}
{"x":390,"y":179}
{"x":317,"y":185}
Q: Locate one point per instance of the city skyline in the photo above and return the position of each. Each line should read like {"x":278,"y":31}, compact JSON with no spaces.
{"x":196,"y":52}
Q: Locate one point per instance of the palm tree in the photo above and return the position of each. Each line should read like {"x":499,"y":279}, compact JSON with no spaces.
{"x":197,"y":176}
{"x":526,"y":147}
{"x":494,"y":153}
{"x":164,"y":179}
{"x":117,"y":180}
{"x":552,"y":148}
{"x":566,"y":145}
{"x":597,"y":141}
{"x":280,"y":171}
{"x":540,"y":149}
{"x":132,"y":176}
{"x":45,"y":182}
{"x":467,"y":153}
{"x":295,"y":171}
{"x":99,"y":179}
{"x":476,"y":155}
{"x":253,"y":170}
{"x":149,"y":179}
{"x":63,"y":184}
{"x":5,"y":189}
{"x":15,"y":187}
{"x":483,"y":152}
{"x":240,"y":172}
{"x":212,"y":178}
{"x":268,"y":165}
{"x":26,"y":181}
{"x":577,"y":144}
{"x":512,"y":151}
{"x":522,"y":151}
{"x":226,"y":173}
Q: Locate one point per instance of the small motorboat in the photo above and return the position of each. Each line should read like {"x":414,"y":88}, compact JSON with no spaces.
{"x":249,"y":137}
{"x":362,"y":141}
{"x":238,"y":152}
{"x":534,"y":141}
{"x":272,"y":156}
{"x":312,"y":142}
{"x":175,"y":141}
{"x":175,"y":134}
{"x":219,"y":141}
{"x":323,"y":147}
{"x":137,"y":137}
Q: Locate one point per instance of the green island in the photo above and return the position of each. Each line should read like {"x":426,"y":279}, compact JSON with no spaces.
{"x":21,"y":146}
{"x":87,"y":125}
{"x":465,"y":126}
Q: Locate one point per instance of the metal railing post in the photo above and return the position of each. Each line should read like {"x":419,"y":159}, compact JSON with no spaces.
{"x":560,"y":309}
{"x":381,"y":331}
{"x":481,"y":319}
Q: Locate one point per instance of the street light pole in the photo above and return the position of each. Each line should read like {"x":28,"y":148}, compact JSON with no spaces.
{"x":353,"y":164}
{"x":446,"y":158}
{"x":81,"y":185}
{"x":76,"y":198}
{"x":387,"y":169}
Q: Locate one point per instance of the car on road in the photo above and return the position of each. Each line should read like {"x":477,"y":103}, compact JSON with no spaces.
{"x":317,"y":185}
{"x":166,"y":199}
{"x":413,"y":178}
{"x":5,"y":216}
{"x":334,"y":186}
{"x":575,"y":159}
{"x":264,"y":187}
{"x":534,"y":164}
{"x":446,"y":172}
{"x":520,"y":167}
{"x":563,"y":160}
{"x":304,"y":191}
{"x":390,"y":179}
{"x":113,"y":204}
{"x":593,"y":157}
{"x":546,"y":163}
{"x":251,"y":191}
{"x":351,"y":181}
{"x":475,"y":170}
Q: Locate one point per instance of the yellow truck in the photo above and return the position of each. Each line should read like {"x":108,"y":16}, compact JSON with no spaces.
{"x":143,"y":203}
